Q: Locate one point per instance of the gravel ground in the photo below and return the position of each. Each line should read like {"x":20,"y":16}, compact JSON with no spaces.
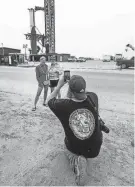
{"x":31,"y":143}
{"x":31,"y":146}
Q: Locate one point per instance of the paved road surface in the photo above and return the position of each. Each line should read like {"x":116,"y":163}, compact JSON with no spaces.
{"x":104,"y":82}
{"x":114,"y":89}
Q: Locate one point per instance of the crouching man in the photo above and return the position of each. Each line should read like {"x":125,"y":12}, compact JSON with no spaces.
{"x":83,"y":136}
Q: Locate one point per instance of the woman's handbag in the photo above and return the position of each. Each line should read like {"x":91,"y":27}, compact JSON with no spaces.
{"x":45,"y":83}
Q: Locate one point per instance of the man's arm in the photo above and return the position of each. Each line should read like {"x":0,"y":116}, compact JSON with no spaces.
{"x":94,"y":98}
{"x":47,"y":72}
{"x":54,"y":93}
{"x":60,"y":70}
{"x":61,"y":83}
{"x":37,"y":74}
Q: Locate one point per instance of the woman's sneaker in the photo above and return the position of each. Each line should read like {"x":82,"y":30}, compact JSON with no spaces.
{"x":80,"y":171}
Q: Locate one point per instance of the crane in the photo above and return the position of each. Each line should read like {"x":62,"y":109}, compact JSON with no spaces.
{"x":130,"y":46}
{"x":126,"y":63}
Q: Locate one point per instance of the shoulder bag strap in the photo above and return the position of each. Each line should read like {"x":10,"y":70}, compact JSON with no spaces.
{"x":94,"y":106}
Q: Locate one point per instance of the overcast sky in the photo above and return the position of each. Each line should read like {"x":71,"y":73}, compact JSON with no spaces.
{"x":83,"y":27}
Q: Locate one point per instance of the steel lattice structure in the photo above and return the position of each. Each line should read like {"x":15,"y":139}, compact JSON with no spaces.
{"x":49,"y":6}
{"x":48,"y":40}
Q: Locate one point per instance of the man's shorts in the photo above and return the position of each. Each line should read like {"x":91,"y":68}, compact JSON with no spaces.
{"x":53,"y":83}
{"x":71,"y":156}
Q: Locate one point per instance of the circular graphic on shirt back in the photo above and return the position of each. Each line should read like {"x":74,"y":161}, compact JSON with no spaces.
{"x":82,"y":123}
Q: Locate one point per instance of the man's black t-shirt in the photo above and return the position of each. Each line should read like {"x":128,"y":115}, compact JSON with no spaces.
{"x":80,"y":123}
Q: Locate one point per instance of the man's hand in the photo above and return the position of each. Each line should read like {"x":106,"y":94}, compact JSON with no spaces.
{"x":61,"y":82}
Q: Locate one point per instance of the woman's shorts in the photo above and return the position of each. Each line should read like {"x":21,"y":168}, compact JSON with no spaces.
{"x":41,"y":85}
{"x":53,"y":83}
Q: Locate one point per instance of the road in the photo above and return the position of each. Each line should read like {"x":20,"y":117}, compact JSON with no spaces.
{"x":99,"y":81}
{"x":115,"y":88}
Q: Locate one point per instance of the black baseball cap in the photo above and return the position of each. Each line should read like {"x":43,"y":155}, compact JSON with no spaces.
{"x":77,"y":85}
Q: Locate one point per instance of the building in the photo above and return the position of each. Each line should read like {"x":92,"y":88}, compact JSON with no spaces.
{"x":63,"y":57}
{"x":4,"y":51}
{"x":4,"y":54}
{"x":51,"y":57}
{"x":58,"y":57}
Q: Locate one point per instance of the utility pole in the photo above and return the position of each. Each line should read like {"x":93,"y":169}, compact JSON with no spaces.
{"x":25,"y":47}
{"x":2,"y":49}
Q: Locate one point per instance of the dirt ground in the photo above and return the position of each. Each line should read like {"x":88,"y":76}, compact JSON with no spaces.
{"x":31,"y":147}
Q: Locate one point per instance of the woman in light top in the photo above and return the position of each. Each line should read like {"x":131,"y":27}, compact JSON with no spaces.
{"x":54,"y":74}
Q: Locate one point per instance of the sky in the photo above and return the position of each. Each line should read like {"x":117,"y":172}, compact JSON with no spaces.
{"x":89,"y":28}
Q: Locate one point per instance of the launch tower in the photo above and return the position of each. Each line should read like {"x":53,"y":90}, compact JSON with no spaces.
{"x":47,"y":39}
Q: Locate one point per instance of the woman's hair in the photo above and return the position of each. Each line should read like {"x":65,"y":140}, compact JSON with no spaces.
{"x":42,"y":58}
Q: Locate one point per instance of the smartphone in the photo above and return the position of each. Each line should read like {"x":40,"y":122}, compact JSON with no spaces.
{"x":66,"y":76}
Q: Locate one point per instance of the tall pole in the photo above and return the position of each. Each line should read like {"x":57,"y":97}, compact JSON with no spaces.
{"x":2,"y":49}
{"x":25,"y":53}
{"x":25,"y":47}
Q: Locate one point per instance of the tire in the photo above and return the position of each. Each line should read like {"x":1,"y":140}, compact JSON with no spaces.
{"x":123,"y":66}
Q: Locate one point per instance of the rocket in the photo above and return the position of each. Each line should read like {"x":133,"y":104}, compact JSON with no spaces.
{"x":33,"y":31}
{"x":33,"y":40}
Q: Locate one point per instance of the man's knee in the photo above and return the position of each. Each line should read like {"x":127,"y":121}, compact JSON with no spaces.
{"x":38,"y":95}
{"x":45,"y":89}
{"x":39,"y":91}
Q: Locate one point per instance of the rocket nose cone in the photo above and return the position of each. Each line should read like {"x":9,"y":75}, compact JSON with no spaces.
{"x":33,"y":31}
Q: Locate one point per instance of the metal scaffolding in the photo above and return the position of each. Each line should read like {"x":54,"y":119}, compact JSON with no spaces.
{"x":47,"y":40}
{"x":49,"y":6}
